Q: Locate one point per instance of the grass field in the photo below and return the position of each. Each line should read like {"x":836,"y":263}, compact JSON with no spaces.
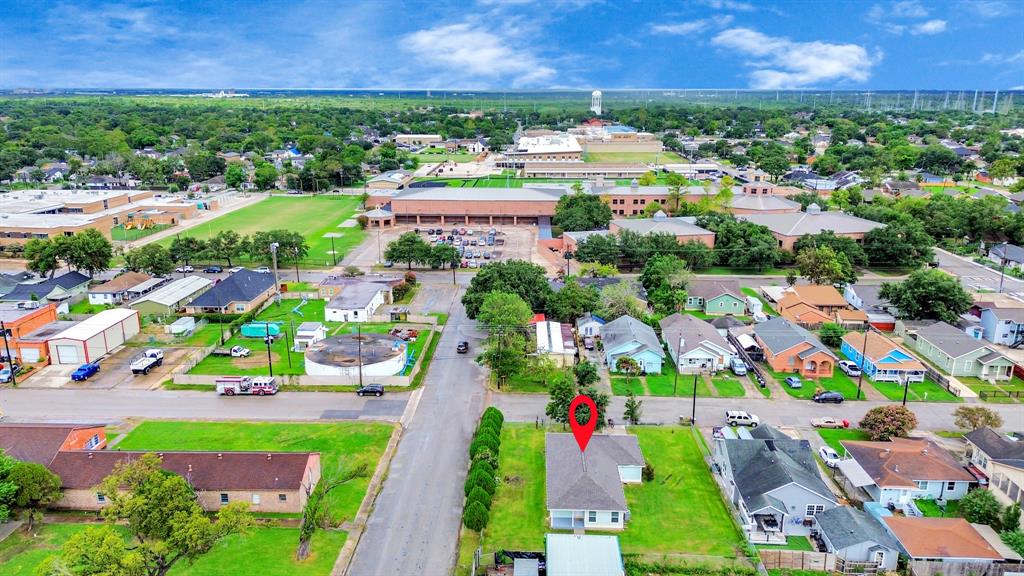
{"x":312,"y":216}
{"x":728,"y":386}
{"x":978,"y":385}
{"x":926,"y":391}
{"x":801,"y":543}
{"x":838,"y":382}
{"x":659,"y":384}
{"x":931,"y":509}
{"x":680,"y":511}
{"x":118,"y":233}
{"x":833,"y":437}
{"x":635,"y":157}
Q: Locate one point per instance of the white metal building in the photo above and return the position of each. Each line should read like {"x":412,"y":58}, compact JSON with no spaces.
{"x":91,"y":339}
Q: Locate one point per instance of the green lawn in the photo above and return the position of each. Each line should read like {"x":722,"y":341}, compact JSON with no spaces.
{"x":207,"y":335}
{"x":978,"y":386}
{"x":680,"y":511}
{"x":313,"y":216}
{"x":264,"y":551}
{"x":833,"y":437}
{"x":931,"y":509}
{"x":722,"y":271}
{"x":665,"y":157}
{"x":790,"y":572}
{"x":340,"y":445}
{"x":766,"y":307}
{"x":622,"y":386}
{"x":83,"y":307}
{"x":118,"y":233}
{"x":439,"y":155}
{"x":728,"y":386}
{"x":926,"y":391}
{"x":838,"y":382}
{"x":529,"y":382}
{"x":801,"y":543}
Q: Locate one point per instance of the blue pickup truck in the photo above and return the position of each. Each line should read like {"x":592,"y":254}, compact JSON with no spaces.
{"x":85,"y":371}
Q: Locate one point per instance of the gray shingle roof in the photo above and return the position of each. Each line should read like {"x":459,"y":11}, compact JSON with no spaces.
{"x":995,"y":445}
{"x":242,"y":286}
{"x":779,"y":334}
{"x":24,"y":292}
{"x":708,"y":288}
{"x":846,"y":526}
{"x":626,"y":329}
{"x":589,"y":480}
{"x":1011,"y":252}
{"x":801,"y":223}
{"x":762,"y":465}
{"x":692,"y":330}
{"x":950,"y":340}
{"x":678,"y":226}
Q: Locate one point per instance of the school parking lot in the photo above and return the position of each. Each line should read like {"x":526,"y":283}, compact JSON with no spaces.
{"x":511,"y":243}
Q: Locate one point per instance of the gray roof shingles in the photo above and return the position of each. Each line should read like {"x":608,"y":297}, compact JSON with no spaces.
{"x":626,"y":329}
{"x":763,"y":465}
{"x":242,"y":286}
{"x":778,"y":334}
{"x":589,"y":480}
{"x":845,"y":526}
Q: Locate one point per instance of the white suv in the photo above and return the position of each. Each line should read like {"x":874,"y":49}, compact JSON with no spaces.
{"x":849,"y":368}
{"x":741,"y":418}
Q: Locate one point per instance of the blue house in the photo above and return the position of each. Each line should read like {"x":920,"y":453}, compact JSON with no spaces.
{"x":1002,"y":325}
{"x":627,"y":336}
{"x":881,"y":359}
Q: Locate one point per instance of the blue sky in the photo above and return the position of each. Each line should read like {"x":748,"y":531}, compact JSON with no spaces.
{"x":496,"y":44}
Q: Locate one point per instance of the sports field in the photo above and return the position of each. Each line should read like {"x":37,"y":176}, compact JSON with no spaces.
{"x":639,"y":157}
{"x":312,"y":216}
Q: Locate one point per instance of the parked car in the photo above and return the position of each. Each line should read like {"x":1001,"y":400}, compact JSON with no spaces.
{"x":371,"y":390}
{"x":85,"y":371}
{"x":262,"y":270}
{"x":184,"y":269}
{"x":463,"y":347}
{"x":741,"y":418}
{"x":794,"y":382}
{"x":149,"y":359}
{"x":6,"y":374}
{"x":388,"y":263}
{"x":588,"y":343}
{"x":828,"y":396}
{"x":462,"y":231}
{"x":234,"y":352}
{"x":829,"y":456}
{"x":235,"y":269}
{"x":849,"y":368}
{"x":738,"y":366}
{"x":829,"y":422}
{"x":213,"y":269}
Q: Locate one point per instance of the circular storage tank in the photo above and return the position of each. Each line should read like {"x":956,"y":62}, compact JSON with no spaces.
{"x":382,"y":354}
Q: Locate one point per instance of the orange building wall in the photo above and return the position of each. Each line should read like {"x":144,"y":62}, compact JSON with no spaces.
{"x":781,"y":363}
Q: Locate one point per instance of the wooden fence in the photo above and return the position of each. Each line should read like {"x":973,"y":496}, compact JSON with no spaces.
{"x":797,"y":560}
{"x":935,"y":568}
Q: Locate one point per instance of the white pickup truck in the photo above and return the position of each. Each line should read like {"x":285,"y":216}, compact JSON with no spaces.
{"x":150,"y":359}
{"x":234,"y":352}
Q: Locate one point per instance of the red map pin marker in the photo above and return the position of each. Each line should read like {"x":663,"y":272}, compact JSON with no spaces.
{"x":582,"y":432}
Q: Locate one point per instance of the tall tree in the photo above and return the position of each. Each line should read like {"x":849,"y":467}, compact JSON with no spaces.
{"x":634,"y":409}
{"x":227,"y":245}
{"x":150,"y":258}
{"x":37,"y":489}
{"x":41,"y":254}
{"x":573,"y":301}
{"x":410,"y":247}
{"x":928,"y":294}
{"x":91,"y":251}
{"x":823,"y":266}
{"x":575,"y":212}
{"x":526,"y":279}
{"x":234,"y":175}
{"x":186,"y":248}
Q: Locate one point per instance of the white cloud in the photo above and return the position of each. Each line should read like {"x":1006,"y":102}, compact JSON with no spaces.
{"x":113,"y":22}
{"x":783,"y":63}
{"x":1015,"y":58}
{"x":929,"y":27}
{"x":468,"y":56}
{"x":682,"y":28}
{"x":987,"y":8}
{"x":908,"y":9}
{"x":735,"y":5}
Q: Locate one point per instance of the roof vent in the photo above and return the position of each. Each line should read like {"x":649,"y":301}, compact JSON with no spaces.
{"x":189,"y":467}
{"x":896,"y":468}
{"x":925,"y":451}
{"x":814,"y":209}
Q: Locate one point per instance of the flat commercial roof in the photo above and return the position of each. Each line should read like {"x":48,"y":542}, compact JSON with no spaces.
{"x":98,"y":323}
{"x":176,"y":291}
{"x":551,"y":194}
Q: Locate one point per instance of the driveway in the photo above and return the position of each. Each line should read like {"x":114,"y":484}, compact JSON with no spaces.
{"x":415,"y":523}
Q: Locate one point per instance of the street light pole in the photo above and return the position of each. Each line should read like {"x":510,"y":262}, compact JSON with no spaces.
{"x":693,"y":411}
{"x":10,"y":361}
{"x":675,"y":382}
{"x":1002,"y":268}
{"x":906,"y":387}
{"x":270,"y":360}
{"x":273,"y":256}
{"x":863,"y":351}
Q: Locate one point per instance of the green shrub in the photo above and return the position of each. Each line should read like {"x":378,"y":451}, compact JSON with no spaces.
{"x":483,"y":465}
{"x":475,"y":517}
{"x":492,"y":412}
{"x":490,"y":427}
{"x":479,"y":444}
{"x":648,"y":472}
{"x":480,"y":495}
{"x":479,"y":478}
{"x":487,"y":457}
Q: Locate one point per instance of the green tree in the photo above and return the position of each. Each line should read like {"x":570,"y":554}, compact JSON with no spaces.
{"x":597,"y":270}
{"x":1010,"y":519}
{"x":8,"y":489}
{"x":227,"y":245}
{"x":505,"y":355}
{"x":315,"y":513}
{"x":1003,"y":168}
{"x":823,"y":266}
{"x":620,"y":299}
{"x":265,"y":176}
{"x":928,"y":294}
{"x":840,"y":244}
{"x":92,"y":251}
{"x":443,"y":255}
{"x":775,"y":164}
{"x":560,"y":395}
{"x":150,"y":258}
{"x":585,"y":374}
{"x":665,"y":269}
{"x":572,"y":301}
{"x":234,"y":176}
{"x":37,"y":488}
{"x":698,"y":255}
{"x":526,"y":279}
{"x":981,"y":507}
{"x":100,"y":551}
{"x":475,"y":517}
{"x":575,"y":212}
{"x":599,"y":248}
{"x":832,"y":334}
{"x":898,"y":245}
{"x":1014,"y":539}
{"x":42,"y":258}
{"x":503,"y":310}
{"x":974,"y":417}
{"x":634,"y":409}
{"x":648,"y":178}
{"x":161,"y":512}
{"x":409,"y":247}
{"x":185,"y":248}
{"x":601,"y":400}
{"x":885,"y":422}
{"x":652,"y":208}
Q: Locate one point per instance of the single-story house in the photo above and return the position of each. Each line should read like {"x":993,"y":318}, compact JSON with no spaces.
{"x":945,"y":540}
{"x":694,"y":344}
{"x":122,"y":288}
{"x":172,"y":297}
{"x":904,"y":469}
{"x":1009,"y":254}
{"x":958,"y":354}
{"x":59,"y":289}
{"x":813,"y":305}
{"x":865,"y":297}
{"x":39,"y":443}
{"x":1002,"y":325}
{"x":239,"y":293}
{"x":787,"y":228}
{"x":555,"y":340}
{"x":882,"y":359}
{"x":628,"y":337}
{"x":19,"y":323}
{"x":789,"y":348}
{"x":773,"y":481}
{"x":999,"y":459}
{"x":578,"y":554}
{"x":94,"y":337}
{"x":589,"y":325}
{"x":716,"y":297}
{"x":357,"y":302}
{"x":855,"y":536}
{"x":332,"y":286}
{"x":584,"y":489}
{"x":308,"y":333}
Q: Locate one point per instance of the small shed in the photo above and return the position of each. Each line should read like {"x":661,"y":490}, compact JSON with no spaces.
{"x":183,"y":325}
{"x":308,"y":333}
{"x":94,"y":338}
{"x":573,"y":554}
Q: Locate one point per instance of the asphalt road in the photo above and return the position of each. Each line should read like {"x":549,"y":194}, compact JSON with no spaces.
{"x":415,"y":524}
{"x":974,"y":275}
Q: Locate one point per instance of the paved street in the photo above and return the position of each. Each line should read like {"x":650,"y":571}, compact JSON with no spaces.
{"x":415,"y":523}
{"x":976,"y":276}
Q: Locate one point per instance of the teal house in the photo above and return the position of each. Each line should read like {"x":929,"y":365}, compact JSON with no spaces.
{"x":716,"y":297}
{"x":627,"y":336}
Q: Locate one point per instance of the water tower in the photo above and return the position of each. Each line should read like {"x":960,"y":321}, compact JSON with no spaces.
{"x":595,"y":102}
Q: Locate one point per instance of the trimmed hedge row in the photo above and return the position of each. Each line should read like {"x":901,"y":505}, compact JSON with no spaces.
{"x":481,"y":482}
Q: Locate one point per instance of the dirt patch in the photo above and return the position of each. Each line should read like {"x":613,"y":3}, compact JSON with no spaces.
{"x":256,"y":360}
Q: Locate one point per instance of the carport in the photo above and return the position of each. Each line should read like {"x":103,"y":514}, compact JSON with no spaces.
{"x":91,"y":339}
